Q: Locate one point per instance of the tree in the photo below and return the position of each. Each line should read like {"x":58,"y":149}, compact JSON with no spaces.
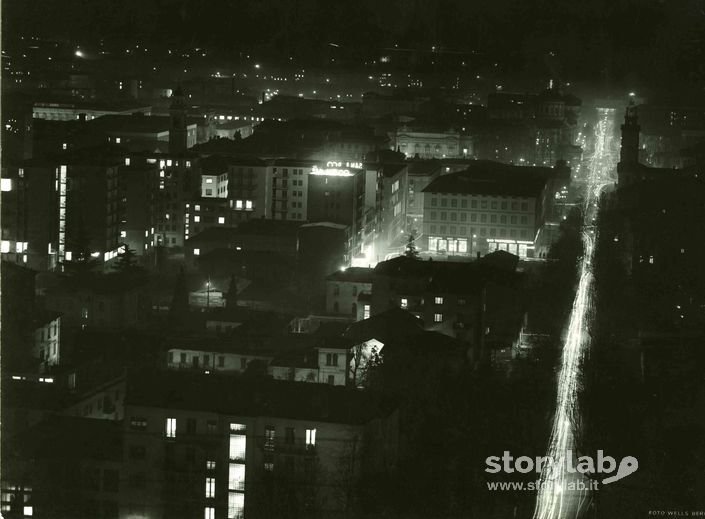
{"x":127,"y":262}
{"x":231,"y":295}
{"x":82,"y":262}
{"x":411,"y":250}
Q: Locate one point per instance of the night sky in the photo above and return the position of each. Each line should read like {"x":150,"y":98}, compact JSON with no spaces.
{"x":612,"y":40}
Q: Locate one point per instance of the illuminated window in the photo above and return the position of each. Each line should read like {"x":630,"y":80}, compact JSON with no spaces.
{"x":310,"y":437}
{"x":366,"y":312}
{"x":127,"y":161}
{"x":196,"y":252}
{"x":168,"y":162}
{"x":209,"y":513}
{"x":437,"y":318}
{"x":4,"y":246}
{"x":210,"y":487}
{"x":237,"y":447}
{"x":269,"y":437}
{"x":238,"y":428}
{"x":404,"y":302}
{"x":221,"y":220}
{"x":27,"y":511}
{"x":238,"y":204}
{"x":438,"y":300}
{"x":248,"y":204}
{"x":236,"y":505}
{"x":209,"y":181}
{"x":170,"y":428}
{"x":236,"y":476}
{"x":123,"y":234}
{"x":117,"y":140}
{"x":196,"y":218}
{"x":6,"y":184}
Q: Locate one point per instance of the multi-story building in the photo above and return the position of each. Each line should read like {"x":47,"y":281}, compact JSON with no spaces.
{"x":214,"y":184}
{"x":399,"y":205}
{"x":473,"y":301}
{"x":47,"y":339}
{"x":659,"y":214}
{"x":252,"y":236}
{"x":343,"y":193}
{"x":427,"y":143}
{"x":289,"y":189}
{"x":489,"y":206}
{"x":666,"y":131}
{"x":205,"y":213}
{"x":179,"y":184}
{"x":76,"y":110}
{"x":61,"y":205}
{"x":138,"y":186}
{"x":345,"y":289}
{"x":109,"y":301}
{"x":249,"y":189}
{"x":14,"y":244}
{"x":530,"y":129}
{"x":185,"y":445}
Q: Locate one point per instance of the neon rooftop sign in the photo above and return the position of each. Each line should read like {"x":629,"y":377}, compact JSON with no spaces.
{"x":336,"y":169}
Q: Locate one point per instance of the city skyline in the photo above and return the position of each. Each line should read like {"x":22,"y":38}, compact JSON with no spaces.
{"x":352,"y":261}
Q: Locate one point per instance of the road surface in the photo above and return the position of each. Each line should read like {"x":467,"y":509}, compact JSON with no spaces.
{"x":565,"y":493}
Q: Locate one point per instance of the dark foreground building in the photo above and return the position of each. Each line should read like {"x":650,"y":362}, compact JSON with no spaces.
{"x":172,"y":445}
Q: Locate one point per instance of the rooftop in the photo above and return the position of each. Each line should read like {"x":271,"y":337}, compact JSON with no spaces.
{"x":386,"y":326}
{"x":252,"y":227}
{"x":453,"y":276}
{"x":135,"y":123}
{"x":253,"y":397}
{"x":353,"y":275}
{"x":493,"y":178}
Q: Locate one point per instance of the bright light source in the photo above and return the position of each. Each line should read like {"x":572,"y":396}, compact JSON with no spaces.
{"x":257,"y":65}
{"x":79,"y":54}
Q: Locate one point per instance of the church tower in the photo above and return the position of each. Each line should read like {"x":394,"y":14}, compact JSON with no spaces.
{"x":629,"y":150}
{"x":177,"y":130}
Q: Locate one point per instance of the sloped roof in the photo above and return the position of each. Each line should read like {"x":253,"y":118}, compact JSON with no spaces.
{"x":386,"y":326}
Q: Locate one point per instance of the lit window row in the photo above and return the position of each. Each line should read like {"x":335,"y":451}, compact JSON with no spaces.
{"x":247,"y":205}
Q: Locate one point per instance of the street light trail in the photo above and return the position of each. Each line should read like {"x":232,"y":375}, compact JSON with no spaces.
{"x":557,"y":497}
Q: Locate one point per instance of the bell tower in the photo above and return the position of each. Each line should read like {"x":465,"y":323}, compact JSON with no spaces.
{"x":629,"y":151}
{"x":177,"y":131}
